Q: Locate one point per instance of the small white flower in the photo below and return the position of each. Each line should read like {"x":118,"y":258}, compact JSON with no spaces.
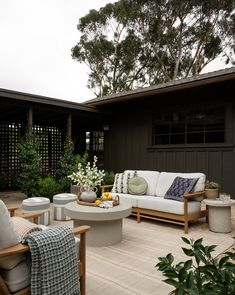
{"x":88,"y":176}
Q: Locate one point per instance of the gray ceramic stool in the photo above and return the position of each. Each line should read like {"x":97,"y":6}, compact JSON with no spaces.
{"x":38,"y":204}
{"x":59,"y":202}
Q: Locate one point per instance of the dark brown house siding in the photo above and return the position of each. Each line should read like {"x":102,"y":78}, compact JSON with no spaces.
{"x":129,"y":142}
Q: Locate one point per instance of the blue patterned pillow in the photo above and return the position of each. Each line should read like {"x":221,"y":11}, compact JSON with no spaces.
{"x":179,"y":187}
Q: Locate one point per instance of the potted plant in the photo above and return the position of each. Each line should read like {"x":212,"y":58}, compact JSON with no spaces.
{"x":202,"y":274}
{"x":212,"y":189}
{"x":88,"y":178}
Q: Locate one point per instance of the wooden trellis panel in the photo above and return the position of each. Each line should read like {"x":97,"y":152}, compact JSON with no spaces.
{"x":9,"y":138}
{"x":50,"y":147}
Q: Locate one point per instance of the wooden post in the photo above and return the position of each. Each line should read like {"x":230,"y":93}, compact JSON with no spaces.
{"x":30,"y":120}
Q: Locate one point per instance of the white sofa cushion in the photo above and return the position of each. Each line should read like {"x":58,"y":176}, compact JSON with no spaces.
{"x":166,"y":179}
{"x":129,"y":199}
{"x":8,"y":237}
{"x":151,"y":178}
{"x":169,"y":206}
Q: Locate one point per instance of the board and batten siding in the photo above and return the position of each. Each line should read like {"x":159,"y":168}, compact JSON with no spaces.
{"x":129,"y":145}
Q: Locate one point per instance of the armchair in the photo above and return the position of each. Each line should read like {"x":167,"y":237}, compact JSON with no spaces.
{"x":15,"y":253}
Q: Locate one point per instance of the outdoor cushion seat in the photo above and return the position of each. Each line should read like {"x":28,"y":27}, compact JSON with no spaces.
{"x":15,"y":276}
{"x":182,"y":205}
{"x":165,"y":205}
{"x":128,"y":198}
{"x":18,"y":277}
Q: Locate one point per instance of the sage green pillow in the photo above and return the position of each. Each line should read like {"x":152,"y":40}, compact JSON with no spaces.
{"x":137,"y":186}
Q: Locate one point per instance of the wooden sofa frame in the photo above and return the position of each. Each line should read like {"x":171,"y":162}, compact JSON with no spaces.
{"x":165,"y":216}
{"x":21,"y":248}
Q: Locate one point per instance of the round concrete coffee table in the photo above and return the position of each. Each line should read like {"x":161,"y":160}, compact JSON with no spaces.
{"x":106,"y":224}
{"x":219,"y":215}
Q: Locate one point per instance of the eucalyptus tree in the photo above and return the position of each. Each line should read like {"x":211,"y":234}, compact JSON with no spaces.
{"x":135,"y":43}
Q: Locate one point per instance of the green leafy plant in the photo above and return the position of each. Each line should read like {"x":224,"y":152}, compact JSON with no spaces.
{"x":48,"y":187}
{"x":66,"y":165}
{"x":211,"y":185}
{"x":202,"y":274}
{"x":82,"y":159}
{"x":30,"y":164}
{"x":108,"y":177}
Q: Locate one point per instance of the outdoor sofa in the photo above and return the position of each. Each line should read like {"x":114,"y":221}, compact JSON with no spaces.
{"x":154,"y":203}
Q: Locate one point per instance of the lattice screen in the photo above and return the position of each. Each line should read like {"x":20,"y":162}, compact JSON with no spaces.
{"x":9,"y":138}
{"x":50,"y":150}
{"x":50,"y":147}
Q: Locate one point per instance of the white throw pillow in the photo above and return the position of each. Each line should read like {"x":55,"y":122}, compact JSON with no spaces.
{"x":8,"y":237}
{"x":121,"y":182}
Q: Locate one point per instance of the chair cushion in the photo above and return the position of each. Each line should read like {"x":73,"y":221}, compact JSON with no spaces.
{"x":8,"y":237}
{"x":18,"y":277}
{"x":179,"y":187}
{"x":166,"y":179}
{"x":121,"y":182}
{"x":137,"y":186}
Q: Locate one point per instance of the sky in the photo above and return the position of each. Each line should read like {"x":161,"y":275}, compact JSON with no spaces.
{"x":36,"y":37}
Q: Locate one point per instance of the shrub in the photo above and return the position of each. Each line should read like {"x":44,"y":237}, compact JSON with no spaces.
{"x":30,"y":164}
{"x":201,"y":275}
{"x":48,"y":187}
{"x":108,"y":177}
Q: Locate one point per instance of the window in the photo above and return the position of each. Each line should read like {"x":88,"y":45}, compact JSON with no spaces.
{"x":187,"y":127}
{"x":95,"y":141}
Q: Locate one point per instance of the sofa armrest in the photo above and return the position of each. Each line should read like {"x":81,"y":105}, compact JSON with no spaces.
{"x":194,"y":194}
{"x":104,"y":187}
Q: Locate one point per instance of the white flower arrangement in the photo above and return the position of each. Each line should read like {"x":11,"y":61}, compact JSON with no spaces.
{"x":89,"y":176}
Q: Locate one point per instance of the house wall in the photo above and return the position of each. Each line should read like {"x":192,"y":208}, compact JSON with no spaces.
{"x":128,"y":143}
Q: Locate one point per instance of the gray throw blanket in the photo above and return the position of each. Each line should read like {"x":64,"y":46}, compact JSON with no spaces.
{"x":54,"y":268}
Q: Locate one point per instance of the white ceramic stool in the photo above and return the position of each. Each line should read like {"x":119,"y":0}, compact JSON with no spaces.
{"x":36,"y":204}
{"x":59,"y":202}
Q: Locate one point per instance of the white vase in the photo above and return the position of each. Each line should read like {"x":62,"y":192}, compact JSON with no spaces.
{"x":88,"y":194}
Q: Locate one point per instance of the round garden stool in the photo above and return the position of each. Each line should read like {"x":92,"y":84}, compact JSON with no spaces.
{"x":38,"y":204}
{"x":59,"y":202}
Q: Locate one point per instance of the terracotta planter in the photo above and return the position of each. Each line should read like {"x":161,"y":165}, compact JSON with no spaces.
{"x":212,"y":193}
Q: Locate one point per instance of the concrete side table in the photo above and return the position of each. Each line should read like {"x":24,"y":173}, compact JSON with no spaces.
{"x":219,"y":215}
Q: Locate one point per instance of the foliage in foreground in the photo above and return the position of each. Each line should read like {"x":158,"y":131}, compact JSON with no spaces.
{"x":136,"y":43}
{"x":202,"y":274}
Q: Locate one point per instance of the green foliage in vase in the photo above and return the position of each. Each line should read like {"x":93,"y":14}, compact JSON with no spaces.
{"x":200,"y":275}
{"x":131,"y":44}
{"x":48,"y":187}
{"x":30,"y":164}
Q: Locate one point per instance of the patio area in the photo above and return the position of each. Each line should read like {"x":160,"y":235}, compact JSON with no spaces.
{"x":129,"y":267}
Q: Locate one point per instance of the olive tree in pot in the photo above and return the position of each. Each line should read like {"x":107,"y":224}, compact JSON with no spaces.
{"x":212,"y":189}
{"x":201,"y":275}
